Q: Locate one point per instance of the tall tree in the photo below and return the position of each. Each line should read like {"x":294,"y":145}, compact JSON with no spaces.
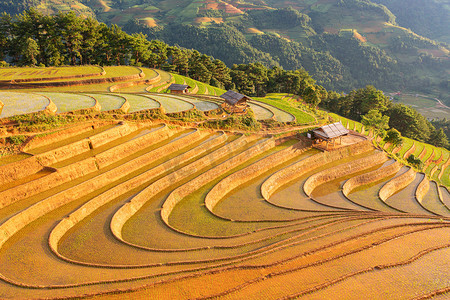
{"x":29,"y":51}
{"x":439,"y":139}
{"x":409,"y":122}
{"x":376,"y":121}
{"x":71,"y":27}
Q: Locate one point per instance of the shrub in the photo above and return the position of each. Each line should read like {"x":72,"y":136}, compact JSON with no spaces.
{"x":17,"y":139}
{"x":415,"y":162}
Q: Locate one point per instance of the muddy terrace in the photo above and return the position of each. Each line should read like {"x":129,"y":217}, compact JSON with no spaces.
{"x":134,"y":210}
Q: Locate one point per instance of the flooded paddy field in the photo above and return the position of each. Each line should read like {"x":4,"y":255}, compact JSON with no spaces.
{"x":21,"y":103}
{"x":172,"y":105}
{"x":109,"y":102}
{"x":140,"y":102}
{"x":158,"y":212}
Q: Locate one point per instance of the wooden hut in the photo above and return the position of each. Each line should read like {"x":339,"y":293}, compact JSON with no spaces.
{"x":330,"y":133}
{"x":234,"y":101}
{"x":175,"y":88}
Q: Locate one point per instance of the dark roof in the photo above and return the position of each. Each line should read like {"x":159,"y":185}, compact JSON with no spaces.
{"x":232,"y":97}
{"x":178,"y":87}
{"x":331,"y":131}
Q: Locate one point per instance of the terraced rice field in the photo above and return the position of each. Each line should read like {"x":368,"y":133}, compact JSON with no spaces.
{"x":28,"y":73}
{"x":201,"y":105}
{"x":66,"y":102}
{"x":261,"y":113}
{"x":285,"y":109}
{"x":171,"y":104}
{"x":21,"y":103}
{"x":140,"y":102}
{"x":280,"y":115}
{"x":140,"y":210}
{"x":109,"y":102}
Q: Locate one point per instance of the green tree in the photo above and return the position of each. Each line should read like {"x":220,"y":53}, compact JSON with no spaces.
{"x":139,"y":47}
{"x":376,"y":121}
{"x":71,"y":27}
{"x":311,"y":96}
{"x":92,"y":42}
{"x":29,"y":51}
{"x":439,"y":139}
{"x":409,"y":122}
{"x":415,"y":162}
{"x":394,"y":137}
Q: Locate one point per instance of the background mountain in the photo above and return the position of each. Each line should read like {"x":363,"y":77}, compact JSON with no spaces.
{"x":343,"y":44}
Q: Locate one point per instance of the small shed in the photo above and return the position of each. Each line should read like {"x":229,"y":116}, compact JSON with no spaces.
{"x":179,"y":88}
{"x":330,"y":133}
{"x":235,"y":101}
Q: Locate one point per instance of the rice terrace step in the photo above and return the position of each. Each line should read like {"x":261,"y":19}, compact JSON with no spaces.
{"x":132,"y":193}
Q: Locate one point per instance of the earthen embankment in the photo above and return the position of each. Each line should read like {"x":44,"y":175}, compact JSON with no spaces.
{"x":125,"y":149}
{"x":422,"y":189}
{"x":396,"y":184}
{"x":370,"y":177}
{"x":239,"y":178}
{"x":84,"y":211}
{"x":48,"y":139}
{"x":342,"y":170}
{"x":112,"y":134}
{"x":302,"y":167}
{"x":62,"y":175}
{"x":178,"y":194}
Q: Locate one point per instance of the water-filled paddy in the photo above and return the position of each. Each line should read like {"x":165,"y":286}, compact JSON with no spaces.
{"x":280,"y":115}
{"x":109,"y":102}
{"x":292,"y":195}
{"x":66,"y":102}
{"x":367,"y":195}
{"x":445,"y":196}
{"x":140,"y":102}
{"x":247,"y":203}
{"x":21,"y":103}
{"x":432,"y":202}
{"x":201,"y":105}
{"x":330,"y":193}
{"x":260,"y":112}
{"x":172,"y":105}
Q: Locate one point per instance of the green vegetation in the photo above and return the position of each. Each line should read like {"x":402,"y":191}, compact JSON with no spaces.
{"x":246,"y":122}
{"x":17,"y":139}
{"x":403,"y":118}
{"x":415,"y":162}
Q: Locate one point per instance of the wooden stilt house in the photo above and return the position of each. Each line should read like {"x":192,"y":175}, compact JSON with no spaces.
{"x":330,"y":133}
{"x":175,"y":88}
{"x":235,"y":102}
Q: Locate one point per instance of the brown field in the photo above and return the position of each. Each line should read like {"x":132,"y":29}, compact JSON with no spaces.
{"x":207,"y":19}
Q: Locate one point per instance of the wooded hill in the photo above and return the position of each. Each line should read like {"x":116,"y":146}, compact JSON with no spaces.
{"x":343,"y":44}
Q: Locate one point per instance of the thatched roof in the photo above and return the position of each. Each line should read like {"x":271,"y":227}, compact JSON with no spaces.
{"x":178,"y":87}
{"x":331,"y":131}
{"x":232,"y":97}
